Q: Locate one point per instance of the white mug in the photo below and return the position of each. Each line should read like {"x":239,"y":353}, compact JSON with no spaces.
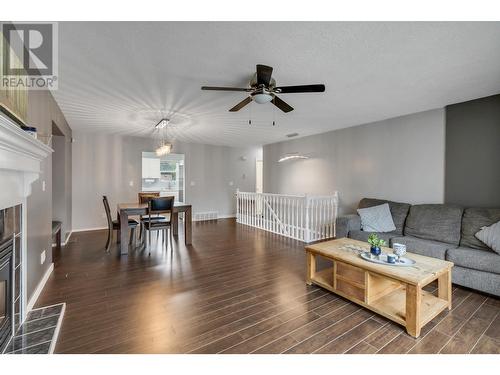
{"x":399,"y":249}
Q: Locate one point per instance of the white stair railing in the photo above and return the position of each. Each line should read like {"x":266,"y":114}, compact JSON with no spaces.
{"x":302,"y":217}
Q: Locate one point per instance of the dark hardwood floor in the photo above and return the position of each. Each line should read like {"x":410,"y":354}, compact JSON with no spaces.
{"x":235,"y":290}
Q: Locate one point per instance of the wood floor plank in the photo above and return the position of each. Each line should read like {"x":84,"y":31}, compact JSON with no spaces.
{"x":383,"y":336}
{"x":329,"y":334}
{"x":351,"y":338}
{"x":493,"y":331}
{"x":431,"y":343}
{"x":399,"y":345}
{"x":466,"y":337}
{"x":487,"y":345}
{"x":250,"y":345}
{"x":362,"y":348}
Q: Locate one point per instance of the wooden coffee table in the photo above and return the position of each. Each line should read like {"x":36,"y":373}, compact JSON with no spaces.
{"x":391,"y":291}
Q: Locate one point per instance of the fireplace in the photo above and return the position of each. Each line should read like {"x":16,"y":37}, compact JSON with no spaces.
{"x":6,"y":292}
{"x":20,"y":165}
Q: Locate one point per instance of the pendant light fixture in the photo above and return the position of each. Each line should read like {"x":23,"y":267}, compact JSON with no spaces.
{"x":164,"y":146}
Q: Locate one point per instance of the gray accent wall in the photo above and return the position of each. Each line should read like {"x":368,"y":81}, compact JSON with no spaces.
{"x":473,"y":153}
{"x":400,"y":159}
{"x":42,"y":112}
{"x":111,"y":165}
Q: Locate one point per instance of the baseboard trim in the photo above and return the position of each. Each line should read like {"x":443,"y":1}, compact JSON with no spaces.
{"x":88,"y":229}
{"x":39,"y":288}
{"x":232,"y":216}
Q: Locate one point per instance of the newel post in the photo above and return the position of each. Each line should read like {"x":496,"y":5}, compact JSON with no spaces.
{"x":307,"y":234}
{"x":336,"y":212}
{"x":237,"y":205}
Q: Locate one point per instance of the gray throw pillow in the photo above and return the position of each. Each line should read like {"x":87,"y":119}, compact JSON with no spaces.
{"x":490,"y":236}
{"x":376,"y":219}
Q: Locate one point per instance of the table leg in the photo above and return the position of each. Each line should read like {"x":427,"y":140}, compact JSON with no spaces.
{"x":413,"y":310}
{"x":175,"y":223}
{"x":444,"y":287}
{"x":188,"y":227}
{"x":311,"y":267}
{"x":123,"y":232}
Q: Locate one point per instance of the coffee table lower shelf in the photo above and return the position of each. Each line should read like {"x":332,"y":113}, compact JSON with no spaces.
{"x":391,"y":301}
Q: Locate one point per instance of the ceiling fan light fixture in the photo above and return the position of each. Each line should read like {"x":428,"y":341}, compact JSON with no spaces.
{"x":263,"y":98}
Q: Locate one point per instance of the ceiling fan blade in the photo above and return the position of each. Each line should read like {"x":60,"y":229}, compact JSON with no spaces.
{"x":225,"y":88}
{"x":264,"y":73}
{"x":297,"y":89}
{"x":281,"y":104}
{"x":241,"y":104}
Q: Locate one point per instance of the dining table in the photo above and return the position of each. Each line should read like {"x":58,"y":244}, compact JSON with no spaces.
{"x":137,"y":209}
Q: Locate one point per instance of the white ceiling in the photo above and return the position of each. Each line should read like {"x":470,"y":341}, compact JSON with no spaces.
{"x":123,"y":77}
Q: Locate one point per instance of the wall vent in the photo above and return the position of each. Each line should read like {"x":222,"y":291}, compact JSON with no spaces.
{"x":205,"y":216}
{"x":291,"y":135}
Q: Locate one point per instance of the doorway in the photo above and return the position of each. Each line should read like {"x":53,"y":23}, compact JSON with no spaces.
{"x":61,"y":186}
{"x":164,"y":174}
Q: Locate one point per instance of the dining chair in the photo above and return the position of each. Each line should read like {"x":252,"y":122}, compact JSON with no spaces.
{"x":115,"y":224}
{"x":163,"y":205}
{"x":144,"y":197}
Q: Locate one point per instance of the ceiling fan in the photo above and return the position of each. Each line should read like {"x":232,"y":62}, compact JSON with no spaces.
{"x":263,"y":89}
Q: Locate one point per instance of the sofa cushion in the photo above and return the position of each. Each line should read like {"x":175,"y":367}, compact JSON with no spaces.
{"x":480,"y":260}
{"x":363,"y":236}
{"x":490,"y":236}
{"x":399,"y":211}
{"x":376,"y":219}
{"x":474,"y":219}
{"x":437,"y":222}
{"x":420,"y":246}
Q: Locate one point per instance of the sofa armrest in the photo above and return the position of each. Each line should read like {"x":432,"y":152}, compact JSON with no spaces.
{"x":346,"y":223}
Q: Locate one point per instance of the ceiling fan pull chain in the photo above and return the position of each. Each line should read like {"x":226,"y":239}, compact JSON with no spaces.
{"x":250,"y":115}
{"x":274,"y":115}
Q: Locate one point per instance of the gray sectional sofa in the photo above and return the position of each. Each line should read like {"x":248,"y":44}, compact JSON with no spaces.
{"x":440,"y":231}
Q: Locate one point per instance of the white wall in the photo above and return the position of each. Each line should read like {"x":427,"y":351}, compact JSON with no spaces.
{"x":400,"y":159}
{"x":106,"y":164}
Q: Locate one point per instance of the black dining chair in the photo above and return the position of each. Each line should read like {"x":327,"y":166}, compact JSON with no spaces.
{"x":156,"y":206}
{"x":115,"y":224}
{"x":144,"y":198}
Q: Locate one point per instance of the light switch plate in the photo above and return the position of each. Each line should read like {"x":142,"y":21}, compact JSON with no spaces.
{"x":42,"y":257}
{"x":131,"y":183}
{"x":192,"y":183}
{"x":43,"y":185}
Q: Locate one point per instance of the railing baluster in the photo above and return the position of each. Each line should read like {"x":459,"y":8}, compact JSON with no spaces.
{"x":300,"y":217}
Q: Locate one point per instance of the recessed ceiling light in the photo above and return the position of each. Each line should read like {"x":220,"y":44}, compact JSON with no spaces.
{"x":292,"y":135}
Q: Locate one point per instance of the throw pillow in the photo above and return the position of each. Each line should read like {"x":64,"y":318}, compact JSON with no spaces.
{"x":376,"y":219}
{"x":490,"y":236}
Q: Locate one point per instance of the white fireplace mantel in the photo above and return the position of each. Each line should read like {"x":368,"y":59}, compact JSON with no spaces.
{"x":20,"y":159}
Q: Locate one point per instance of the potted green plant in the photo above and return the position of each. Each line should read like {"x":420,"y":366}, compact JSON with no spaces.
{"x":376,"y":243}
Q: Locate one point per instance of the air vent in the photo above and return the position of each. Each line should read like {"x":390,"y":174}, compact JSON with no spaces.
{"x":291,"y":135}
